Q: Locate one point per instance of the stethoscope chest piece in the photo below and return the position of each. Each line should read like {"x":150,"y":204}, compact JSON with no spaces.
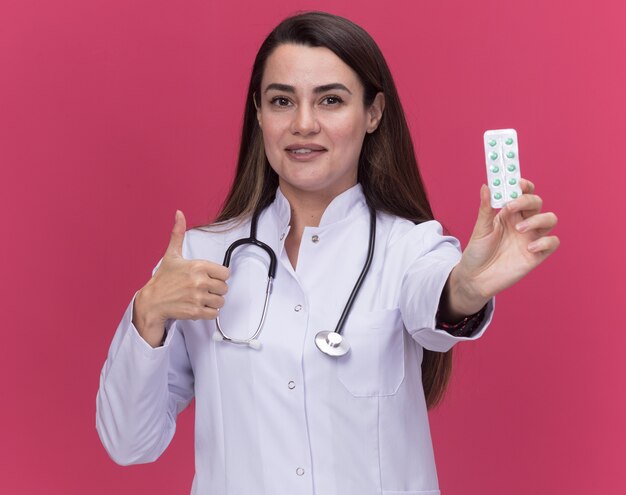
{"x":332,"y":343}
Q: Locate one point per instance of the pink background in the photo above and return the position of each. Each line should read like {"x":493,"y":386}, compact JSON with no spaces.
{"x":113,"y":114}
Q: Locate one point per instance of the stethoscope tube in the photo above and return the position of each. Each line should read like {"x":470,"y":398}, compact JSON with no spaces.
{"x":333,"y":343}
{"x":366,"y":267}
{"x":256,"y":242}
{"x":271,"y":274}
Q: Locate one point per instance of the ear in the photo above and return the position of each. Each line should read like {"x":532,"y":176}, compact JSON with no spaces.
{"x":258,"y":109}
{"x":375,"y":112}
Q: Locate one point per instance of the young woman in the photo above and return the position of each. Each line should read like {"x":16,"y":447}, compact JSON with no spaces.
{"x":324,"y":400}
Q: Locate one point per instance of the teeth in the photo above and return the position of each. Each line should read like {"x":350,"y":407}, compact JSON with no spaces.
{"x":302,"y":150}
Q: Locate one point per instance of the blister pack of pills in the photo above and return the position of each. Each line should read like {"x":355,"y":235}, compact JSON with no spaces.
{"x":503,"y":172}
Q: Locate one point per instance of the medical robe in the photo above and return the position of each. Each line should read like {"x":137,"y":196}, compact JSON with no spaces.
{"x":286,"y":419}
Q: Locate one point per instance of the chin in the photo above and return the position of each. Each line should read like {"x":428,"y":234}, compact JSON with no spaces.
{"x":324,"y":187}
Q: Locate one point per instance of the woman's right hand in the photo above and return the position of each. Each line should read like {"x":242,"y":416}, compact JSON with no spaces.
{"x":180,"y":289}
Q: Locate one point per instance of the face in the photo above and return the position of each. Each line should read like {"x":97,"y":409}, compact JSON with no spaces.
{"x":313,"y":120}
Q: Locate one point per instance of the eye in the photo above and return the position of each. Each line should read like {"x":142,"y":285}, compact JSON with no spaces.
{"x":280,"y":101}
{"x":332,"y":100}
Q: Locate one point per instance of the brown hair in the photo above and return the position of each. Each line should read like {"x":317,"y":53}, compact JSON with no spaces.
{"x":387,"y":170}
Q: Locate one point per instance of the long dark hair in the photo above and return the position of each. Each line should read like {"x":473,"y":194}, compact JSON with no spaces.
{"x":387,"y":170}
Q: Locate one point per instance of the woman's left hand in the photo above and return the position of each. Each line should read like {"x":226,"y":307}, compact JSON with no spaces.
{"x":504,"y":247}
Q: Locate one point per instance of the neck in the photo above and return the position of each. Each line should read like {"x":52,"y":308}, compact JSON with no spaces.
{"x":307,"y":207}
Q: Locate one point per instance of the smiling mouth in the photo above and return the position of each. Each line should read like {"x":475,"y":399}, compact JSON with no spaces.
{"x":303,"y":148}
{"x":304,"y":151}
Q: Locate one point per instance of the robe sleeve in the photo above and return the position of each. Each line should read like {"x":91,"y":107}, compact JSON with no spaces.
{"x":142,"y":391}
{"x":423,"y":283}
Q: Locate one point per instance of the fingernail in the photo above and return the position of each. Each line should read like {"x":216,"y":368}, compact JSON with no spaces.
{"x":533,"y":246}
{"x":522,"y":226}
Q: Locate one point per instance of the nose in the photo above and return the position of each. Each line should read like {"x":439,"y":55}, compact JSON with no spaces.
{"x":305,"y":121}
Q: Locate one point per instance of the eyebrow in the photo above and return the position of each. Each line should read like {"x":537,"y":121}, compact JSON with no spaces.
{"x":319,"y":89}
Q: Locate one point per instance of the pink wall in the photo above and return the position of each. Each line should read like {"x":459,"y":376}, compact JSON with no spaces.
{"x":113,"y":114}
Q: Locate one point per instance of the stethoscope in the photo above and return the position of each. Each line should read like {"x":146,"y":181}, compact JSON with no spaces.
{"x":331,"y":343}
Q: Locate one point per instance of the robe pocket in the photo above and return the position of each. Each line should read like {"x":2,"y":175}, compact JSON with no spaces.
{"x":375,"y":364}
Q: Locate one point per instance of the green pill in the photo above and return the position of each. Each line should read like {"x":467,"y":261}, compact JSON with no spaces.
{"x":512,"y":181}
{"x":497,"y":196}
{"x":511,"y":168}
{"x":514,"y":195}
{"x":510,"y":154}
{"x":492,"y":142}
{"x":509,"y":141}
{"x":493,"y":155}
{"x":497,"y":182}
{"x":495,"y":169}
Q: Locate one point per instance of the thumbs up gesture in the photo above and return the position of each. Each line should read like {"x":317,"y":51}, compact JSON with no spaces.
{"x":180,"y":289}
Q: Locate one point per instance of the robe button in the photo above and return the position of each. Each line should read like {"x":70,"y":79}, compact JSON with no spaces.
{"x":299,"y":471}
{"x":297,"y":308}
{"x":291,"y":385}
{"x":315,"y":239}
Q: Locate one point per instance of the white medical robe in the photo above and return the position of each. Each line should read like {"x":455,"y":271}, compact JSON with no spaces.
{"x":286,"y":419}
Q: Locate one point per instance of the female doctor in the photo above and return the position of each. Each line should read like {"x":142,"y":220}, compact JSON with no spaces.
{"x":327,"y":164}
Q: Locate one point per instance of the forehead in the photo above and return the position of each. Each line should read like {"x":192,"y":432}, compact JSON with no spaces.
{"x":306,"y":66}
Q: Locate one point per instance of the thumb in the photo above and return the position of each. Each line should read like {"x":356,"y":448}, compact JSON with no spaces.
{"x":486,"y":214}
{"x":175,"y":246}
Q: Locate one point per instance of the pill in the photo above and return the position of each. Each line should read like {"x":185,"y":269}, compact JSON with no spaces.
{"x":501,"y":147}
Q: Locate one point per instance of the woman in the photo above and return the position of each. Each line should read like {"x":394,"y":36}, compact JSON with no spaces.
{"x":324,"y":143}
